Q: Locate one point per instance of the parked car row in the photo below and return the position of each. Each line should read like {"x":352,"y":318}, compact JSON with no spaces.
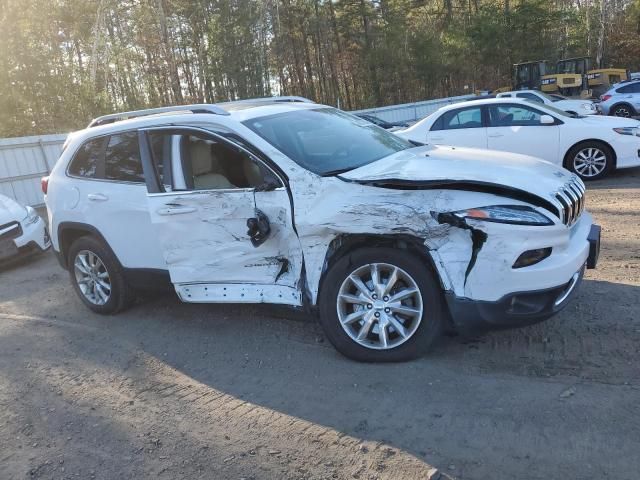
{"x":295,"y":203}
{"x":590,"y":146}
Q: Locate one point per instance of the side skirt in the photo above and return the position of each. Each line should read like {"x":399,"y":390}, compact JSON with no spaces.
{"x":238,"y":293}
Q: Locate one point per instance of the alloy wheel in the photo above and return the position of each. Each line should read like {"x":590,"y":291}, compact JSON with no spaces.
{"x":590,"y":162}
{"x":379,"y":306}
{"x":622,"y":112}
{"x":92,"y":277}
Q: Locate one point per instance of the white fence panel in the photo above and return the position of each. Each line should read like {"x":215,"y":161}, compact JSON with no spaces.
{"x":23,"y":161}
{"x":410,"y":112}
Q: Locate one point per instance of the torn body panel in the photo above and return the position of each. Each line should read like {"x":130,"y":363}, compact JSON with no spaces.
{"x":205,"y":240}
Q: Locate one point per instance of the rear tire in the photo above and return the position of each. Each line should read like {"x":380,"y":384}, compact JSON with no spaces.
{"x":590,"y":160}
{"x":97,"y":277}
{"x":624,"y":111}
{"x":397,"y":321}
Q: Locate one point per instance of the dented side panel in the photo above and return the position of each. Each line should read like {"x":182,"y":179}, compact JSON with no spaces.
{"x":204,"y":238}
{"x":331,"y":207}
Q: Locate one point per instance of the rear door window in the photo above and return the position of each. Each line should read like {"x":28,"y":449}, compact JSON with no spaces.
{"x":462,"y":118}
{"x":513,"y":116}
{"x":122,"y":158}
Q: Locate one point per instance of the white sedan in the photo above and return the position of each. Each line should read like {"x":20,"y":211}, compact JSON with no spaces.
{"x":22,"y":231}
{"x":569,"y":105}
{"x":591,"y":146}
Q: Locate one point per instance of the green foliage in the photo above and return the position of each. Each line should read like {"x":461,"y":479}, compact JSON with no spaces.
{"x":62,"y":62}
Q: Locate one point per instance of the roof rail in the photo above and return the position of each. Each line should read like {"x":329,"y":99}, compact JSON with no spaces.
{"x":116,"y":117}
{"x":286,"y":98}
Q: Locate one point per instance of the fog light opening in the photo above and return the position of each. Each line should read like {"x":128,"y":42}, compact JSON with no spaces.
{"x":531,"y":257}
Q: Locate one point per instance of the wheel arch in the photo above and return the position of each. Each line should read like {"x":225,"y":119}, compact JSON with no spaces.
{"x":620,"y":104}
{"x":69,"y":232}
{"x":565,"y":161}
{"x":345,"y":244}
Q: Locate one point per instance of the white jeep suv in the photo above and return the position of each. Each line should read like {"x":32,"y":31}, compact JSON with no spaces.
{"x":301,"y":204}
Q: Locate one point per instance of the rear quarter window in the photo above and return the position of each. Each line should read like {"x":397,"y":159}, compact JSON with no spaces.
{"x":88,"y":160}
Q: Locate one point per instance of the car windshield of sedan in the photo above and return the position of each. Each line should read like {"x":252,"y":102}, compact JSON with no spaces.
{"x":327,"y":141}
{"x":557,"y":111}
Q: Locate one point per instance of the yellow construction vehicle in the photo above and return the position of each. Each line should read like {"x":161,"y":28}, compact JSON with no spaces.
{"x":596,"y":80}
{"x":539,"y":75}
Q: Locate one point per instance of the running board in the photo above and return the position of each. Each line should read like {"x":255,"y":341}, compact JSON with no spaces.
{"x":238,"y":293}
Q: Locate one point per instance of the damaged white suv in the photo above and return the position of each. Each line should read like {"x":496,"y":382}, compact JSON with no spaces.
{"x":291,"y":202}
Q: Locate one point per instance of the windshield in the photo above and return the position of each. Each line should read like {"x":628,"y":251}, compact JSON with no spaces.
{"x":325,"y":140}
{"x":557,"y":111}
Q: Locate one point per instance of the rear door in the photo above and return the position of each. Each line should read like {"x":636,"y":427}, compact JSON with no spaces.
{"x":223,"y":219}
{"x":517,"y":128}
{"x":462,"y":127}
{"x":109,"y":193}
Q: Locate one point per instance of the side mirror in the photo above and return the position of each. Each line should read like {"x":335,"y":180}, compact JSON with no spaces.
{"x":547,"y":120}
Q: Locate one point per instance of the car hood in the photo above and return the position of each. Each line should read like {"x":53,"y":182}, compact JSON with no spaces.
{"x":10,"y":210}
{"x":606,"y":121}
{"x":442,"y":166}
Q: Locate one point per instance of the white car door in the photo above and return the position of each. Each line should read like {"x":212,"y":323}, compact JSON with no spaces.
{"x":223,"y":218}
{"x":517,"y":128}
{"x":462,"y":127}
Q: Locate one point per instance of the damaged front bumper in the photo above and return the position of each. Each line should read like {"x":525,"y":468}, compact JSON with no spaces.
{"x":513,"y":310}
{"x":524,"y":307}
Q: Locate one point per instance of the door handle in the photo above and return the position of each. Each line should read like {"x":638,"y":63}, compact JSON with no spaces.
{"x":175,"y":209}
{"x":97,"y":197}
{"x":437,"y":139}
{"x":495,"y":135}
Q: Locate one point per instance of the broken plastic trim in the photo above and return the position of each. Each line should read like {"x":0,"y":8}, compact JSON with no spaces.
{"x":463,"y":185}
{"x":478,"y":237}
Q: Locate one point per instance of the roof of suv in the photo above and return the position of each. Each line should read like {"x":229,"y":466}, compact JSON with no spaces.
{"x":238,"y":111}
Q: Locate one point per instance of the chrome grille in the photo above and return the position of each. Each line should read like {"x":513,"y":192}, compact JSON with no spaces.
{"x":571,"y":199}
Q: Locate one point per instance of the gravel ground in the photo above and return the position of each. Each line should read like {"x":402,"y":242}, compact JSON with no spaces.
{"x":168,"y":390}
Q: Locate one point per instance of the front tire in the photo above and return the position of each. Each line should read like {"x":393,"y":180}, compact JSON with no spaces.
{"x":590,"y":160}
{"x":381,"y":305}
{"x":97,"y":277}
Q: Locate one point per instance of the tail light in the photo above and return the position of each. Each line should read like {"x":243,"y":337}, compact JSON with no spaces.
{"x":44,"y":184}
{"x":604,"y":98}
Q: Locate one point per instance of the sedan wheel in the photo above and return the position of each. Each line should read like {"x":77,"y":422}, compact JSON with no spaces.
{"x":379,"y":306}
{"x":590,"y":162}
{"x":92,"y":277}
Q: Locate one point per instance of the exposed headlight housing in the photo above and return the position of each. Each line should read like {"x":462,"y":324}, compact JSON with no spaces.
{"x":512,"y":214}
{"x":32,"y":216}
{"x":628,"y":131}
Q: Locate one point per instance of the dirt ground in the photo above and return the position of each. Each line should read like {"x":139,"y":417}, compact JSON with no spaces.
{"x":175,"y":391}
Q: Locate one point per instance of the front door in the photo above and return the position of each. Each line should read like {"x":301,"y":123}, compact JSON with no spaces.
{"x":517,"y":128}
{"x":223,"y":218}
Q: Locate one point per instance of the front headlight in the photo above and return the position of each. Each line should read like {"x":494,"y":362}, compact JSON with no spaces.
{"x":513,"y":214}
{"x":589,"y":106}
{"x":628,"y":131}
{"x":32,"y":216}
